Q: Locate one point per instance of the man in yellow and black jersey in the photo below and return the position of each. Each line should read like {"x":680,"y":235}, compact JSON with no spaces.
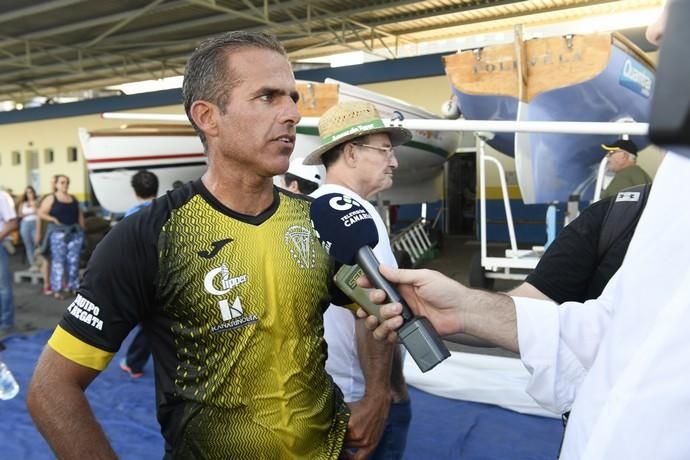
{"x":227,"y":280}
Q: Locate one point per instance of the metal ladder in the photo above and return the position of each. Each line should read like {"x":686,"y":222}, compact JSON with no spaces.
{"x":413,"y":240}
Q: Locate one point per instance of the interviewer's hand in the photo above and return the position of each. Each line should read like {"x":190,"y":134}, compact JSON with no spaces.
{"x":427,"y":292}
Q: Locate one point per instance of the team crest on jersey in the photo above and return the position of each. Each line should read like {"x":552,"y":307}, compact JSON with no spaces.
{"x":299,"y":241}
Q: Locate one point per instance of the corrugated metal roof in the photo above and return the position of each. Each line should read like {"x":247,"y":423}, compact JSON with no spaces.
{"x":60,"y":46}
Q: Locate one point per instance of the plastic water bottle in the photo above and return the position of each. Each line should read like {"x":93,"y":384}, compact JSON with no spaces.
{"x":8,"y":384}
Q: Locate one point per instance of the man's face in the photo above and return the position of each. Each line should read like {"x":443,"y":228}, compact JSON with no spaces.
{"x":618,"y":160}
{"x":375,"y":162}
{"x":258,"y":127}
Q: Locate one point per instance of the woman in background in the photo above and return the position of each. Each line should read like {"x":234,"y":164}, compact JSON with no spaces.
{"x":27,"y":229}
{"x":44,"y":251}
{"x":65,"y":235}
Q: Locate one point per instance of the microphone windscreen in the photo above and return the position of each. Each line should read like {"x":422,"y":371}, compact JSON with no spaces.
{"x":342,"y":226}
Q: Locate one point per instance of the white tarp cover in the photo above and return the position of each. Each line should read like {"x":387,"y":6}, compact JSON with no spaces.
{"x":478,"y":378}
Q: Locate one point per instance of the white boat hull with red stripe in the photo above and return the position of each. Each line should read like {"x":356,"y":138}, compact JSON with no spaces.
{"x":173,"y":153}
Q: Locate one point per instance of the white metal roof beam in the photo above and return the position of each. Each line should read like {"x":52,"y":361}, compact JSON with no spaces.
{"x":494,"y":16}
{"x":36,"y":9}
{"x":212,"y":5}
{"x":211,"y":20}
{"x":123,"y":23}
{"x":74,"y":27}
{"x":87,"y":61}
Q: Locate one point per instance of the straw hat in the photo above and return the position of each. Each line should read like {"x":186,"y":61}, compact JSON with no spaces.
{"x":349,"y":120}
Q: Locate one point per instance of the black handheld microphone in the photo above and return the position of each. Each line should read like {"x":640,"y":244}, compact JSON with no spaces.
{"x":347,"y":232}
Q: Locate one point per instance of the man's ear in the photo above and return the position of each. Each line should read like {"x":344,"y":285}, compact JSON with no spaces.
{"x":294,"y":187}
{"x":205,"y":116}
{"x":349,"y":155}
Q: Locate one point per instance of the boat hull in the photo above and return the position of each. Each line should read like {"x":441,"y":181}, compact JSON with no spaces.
{"x":175,"y":152}
{"x":552,"y":167}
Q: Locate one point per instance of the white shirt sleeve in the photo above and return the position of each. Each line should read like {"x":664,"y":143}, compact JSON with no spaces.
{"x":558,"y":344}
{"x":7,"y":211}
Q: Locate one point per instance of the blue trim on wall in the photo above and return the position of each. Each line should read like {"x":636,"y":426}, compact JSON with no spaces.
{"x":90,"y":106}
{"x":372,"y":72}
{"x":430,"y":65}
{"x":529,"y":221}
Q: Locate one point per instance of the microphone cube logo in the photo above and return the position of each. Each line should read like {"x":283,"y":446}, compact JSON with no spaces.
{"x":343,"y":203}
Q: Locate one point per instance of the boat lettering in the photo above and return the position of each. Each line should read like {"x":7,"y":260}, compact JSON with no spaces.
{"x":636,"y":78}
{"x":510,"y":66}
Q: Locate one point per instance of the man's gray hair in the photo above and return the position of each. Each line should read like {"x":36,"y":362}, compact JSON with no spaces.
{"x":330,"y":157}
{"x":208,"y":77}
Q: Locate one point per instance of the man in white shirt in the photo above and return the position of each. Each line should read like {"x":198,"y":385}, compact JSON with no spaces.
{"x":8,"y":223}
{"x":618,"y":362}
{"x":357,"y":151}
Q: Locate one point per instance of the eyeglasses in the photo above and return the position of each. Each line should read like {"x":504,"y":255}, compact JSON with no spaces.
{"x":610,"y":153}
{"x":389,"y":151}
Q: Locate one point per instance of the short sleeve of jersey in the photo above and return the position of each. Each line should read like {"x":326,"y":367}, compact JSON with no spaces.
{"x":566,"y":268}
{"x":119,"y":286}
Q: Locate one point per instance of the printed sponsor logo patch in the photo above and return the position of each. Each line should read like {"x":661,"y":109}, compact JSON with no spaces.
{"x":219,"y":282}
{"x":216,"y":246}
{"x":86,"y":312}
{"x":233,"y":316}
{"x":628,"y":196}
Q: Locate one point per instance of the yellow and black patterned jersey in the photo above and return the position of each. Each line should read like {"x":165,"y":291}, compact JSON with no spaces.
{"x":233,"y":308}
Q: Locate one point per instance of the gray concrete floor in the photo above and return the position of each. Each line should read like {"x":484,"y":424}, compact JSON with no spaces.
{"x":454,"y":261}
{"x":35,"y":311}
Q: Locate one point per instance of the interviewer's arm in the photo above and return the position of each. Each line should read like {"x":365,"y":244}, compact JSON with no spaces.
{"x":451,"y":307}
{"x":61,"y":412}
{"x":528,"y":290}
{"x":523,"y":290}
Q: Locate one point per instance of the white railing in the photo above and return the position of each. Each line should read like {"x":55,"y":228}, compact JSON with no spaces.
{"x":494,"y":126}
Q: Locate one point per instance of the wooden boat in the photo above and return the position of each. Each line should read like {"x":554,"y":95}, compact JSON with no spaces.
{"x":599,"y":77}
{"x":174,"y":152}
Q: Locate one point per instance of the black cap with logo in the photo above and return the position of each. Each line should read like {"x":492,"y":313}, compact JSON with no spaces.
{"x":621,"y":144}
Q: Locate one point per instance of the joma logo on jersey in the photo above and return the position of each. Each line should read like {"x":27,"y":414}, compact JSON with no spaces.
{"x":227,"y":282}
{"x":216,"y":246}
{"x":233,"y":316}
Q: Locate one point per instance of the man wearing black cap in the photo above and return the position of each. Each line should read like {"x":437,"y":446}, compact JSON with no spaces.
{"x":622,"y":156}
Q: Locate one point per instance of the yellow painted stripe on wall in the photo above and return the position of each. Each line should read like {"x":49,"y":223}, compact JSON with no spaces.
{"x":494,"y":193}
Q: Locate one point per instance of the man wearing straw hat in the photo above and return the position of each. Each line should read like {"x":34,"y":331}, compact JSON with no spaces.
{"x":357,"y":151}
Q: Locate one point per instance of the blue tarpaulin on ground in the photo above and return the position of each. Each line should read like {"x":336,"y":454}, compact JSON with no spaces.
{"x":441,"y":428}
